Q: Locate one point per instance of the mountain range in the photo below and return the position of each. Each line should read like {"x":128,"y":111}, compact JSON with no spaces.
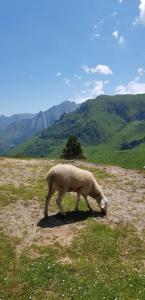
{"x":110,"y":128}
{"x":16,"y":129}
{"x":6,"y":121}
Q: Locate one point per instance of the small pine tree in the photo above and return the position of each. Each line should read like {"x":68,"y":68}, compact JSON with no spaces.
{"x":72,"y":149}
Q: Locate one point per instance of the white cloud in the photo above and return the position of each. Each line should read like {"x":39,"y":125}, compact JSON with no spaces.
{"x":120,"y":38}
{"x":133,"y":87}
{"x":93,"y":36}
{"x":86,"y":69}
{"x":87,"y":84}
{"x":101,"y":22}
{"x":140,"y":71}
{"x":58,"y":74}
{"x":67,"y":82}
{"x":121,"y":41}
{"x":101,"y":69}
{"x":115,"y":34}
{"x":77,"y":77}
{"x":97,"y":89}
{"x":141,"y":18}
{"x":114,"y":14}
{"x":93,"y":90}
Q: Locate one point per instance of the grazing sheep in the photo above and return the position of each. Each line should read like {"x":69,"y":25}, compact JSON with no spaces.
{"x":68,"y":178}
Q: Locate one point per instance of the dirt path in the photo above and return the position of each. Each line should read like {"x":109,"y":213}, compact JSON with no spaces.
{"x":125,"y":190}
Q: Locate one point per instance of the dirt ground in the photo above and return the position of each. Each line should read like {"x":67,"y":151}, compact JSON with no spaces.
{"x":125,"y":190}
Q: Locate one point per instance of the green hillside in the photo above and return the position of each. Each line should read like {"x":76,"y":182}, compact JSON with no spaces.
{"x":110,"y":128}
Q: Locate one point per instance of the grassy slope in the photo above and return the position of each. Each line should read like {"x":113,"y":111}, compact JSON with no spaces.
{"x":131,"y":159}
{"x":102,"y":125}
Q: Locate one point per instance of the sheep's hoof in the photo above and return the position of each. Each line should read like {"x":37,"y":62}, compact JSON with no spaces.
{"x":90,"y":209}
{"x":45,"y":215}
{"x":104,"y":212}
{"x":63,"y":216}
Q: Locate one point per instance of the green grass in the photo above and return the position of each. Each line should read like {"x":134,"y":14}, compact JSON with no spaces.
{"x":130,"y":159}
{"x":10,"y":193}
{"x":105,"y":264}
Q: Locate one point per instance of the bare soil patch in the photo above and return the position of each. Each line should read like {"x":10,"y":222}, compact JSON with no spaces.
{"x":22,"y":222}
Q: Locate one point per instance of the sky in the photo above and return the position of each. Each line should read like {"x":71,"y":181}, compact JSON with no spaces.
{"x":52,"y":51}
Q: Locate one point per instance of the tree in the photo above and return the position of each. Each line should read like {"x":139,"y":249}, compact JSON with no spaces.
{"x":72,"y":149}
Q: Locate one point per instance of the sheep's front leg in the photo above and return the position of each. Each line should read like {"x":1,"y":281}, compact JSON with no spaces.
{"x":58,"y":201}
{"x":77,"y":202}
{"x":47,"y":203}
{"x":88,"y":205}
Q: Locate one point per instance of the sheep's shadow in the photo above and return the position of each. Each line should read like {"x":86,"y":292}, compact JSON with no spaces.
{"x":71,"y":217}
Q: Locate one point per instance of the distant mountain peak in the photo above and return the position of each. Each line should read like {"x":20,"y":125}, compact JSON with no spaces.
{"x":17,"y":129}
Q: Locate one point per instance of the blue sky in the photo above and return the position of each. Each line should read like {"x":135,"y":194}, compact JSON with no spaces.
{"x":52,"y":50}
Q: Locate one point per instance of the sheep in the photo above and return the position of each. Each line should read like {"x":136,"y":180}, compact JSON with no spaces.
{"x":68,"y":178}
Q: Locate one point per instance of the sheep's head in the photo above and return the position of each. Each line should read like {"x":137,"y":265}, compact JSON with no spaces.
{"x":102,"y":202}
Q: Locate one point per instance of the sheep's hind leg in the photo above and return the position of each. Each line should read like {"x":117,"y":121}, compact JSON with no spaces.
{"x":77,"y":202}
{"x":87,"y":202}
{"x":58,"y":201}
{"x":48,"y":197}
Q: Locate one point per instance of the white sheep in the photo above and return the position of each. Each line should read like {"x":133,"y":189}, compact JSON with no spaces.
{"x":68,"y":178}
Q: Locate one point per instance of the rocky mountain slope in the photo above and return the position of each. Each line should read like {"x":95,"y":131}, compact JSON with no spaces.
{"x":22,"y":129}
{"x":7,"y":120}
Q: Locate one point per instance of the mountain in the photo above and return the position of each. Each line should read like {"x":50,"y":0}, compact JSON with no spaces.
{"x":22,"y":129}
{"x":110,"y":128}
{"x":6,"y":121}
